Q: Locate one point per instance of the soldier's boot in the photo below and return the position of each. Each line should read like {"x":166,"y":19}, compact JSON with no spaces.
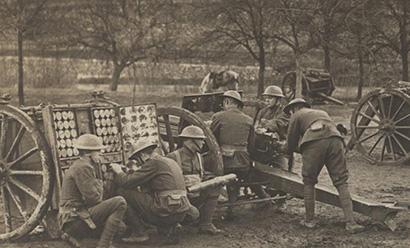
{"x":309,"y":200}
{"x":347,"y":207}
{"x":168,"y":235}
{"x":137,"y":229}
{"x":70,"y":240}
{"x":205,"y":220}
{"x":233,"y":194}
{"x":112,"y":224}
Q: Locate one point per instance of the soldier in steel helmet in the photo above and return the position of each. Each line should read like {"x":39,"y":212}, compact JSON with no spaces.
{"x":162,"y":199}
{"x":82,"y":208}
{"x":313,"y":134}
{"x":191,"y":162}
{"x":232,"y":129}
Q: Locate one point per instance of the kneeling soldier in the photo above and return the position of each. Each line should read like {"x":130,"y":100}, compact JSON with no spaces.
{"x":163,"y":199}
{"x":82,"y":210}
{"x":190,"y":160}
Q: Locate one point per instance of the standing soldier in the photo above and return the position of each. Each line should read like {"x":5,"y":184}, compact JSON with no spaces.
{"x":82,"y":210}
{"x":232,"y":128}
{"x":162,"y":200}
{"x":190,"y":160}
{"x":313,"y":134}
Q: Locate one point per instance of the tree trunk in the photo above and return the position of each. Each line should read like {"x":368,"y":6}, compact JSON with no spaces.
{"x":404,"y":47}
{"x":261,"y":76}
{"x":299,"y":75}
{"x":20,"y":67}
{"x":326,"y":51}
{"x":361,"y":73}
{"x":115,"y":79}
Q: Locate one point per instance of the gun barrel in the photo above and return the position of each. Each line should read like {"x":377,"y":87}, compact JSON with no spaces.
{"x":214,"y":182}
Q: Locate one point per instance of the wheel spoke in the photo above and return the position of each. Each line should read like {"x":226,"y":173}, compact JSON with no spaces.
{"x":26,"y":172}
{"x":370,"y":118}
{"x":402,"y":127}
{"x":3,"y":133}
{"x":24,"y":156}
{"x":398,"y":110}
{"x":403,"y":118}
{"x":400,"y":145}
{"x":15,"y":143}
{"x":382,"y":110}
{"x":368,"y":127}
{"x":391,"y":147}
{"x":402,"y":135}
{"x":374,"y":109}
{"x":6,"y":210}
{"x":390,"y":106}
{"x":17,"y":202}
{"x":169,"y":133}
{"x":368,"y":137}
{"x":25,"y":188}
{"x":375,"y":144}
{"x":384,"y":148}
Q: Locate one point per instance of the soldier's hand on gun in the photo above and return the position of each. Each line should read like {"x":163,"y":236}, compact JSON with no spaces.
{"x":117,"y":168}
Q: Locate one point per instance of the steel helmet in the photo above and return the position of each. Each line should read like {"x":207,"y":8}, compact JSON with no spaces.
{"x":233,"y":94}
{"x":192,"y":132}
{"x":273,"y":90}
{"x":140,"y":146}
{"x":89,"y":142}
{"x":294,"y":102}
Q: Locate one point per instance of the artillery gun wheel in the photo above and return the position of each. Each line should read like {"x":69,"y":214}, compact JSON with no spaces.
{"x":171,"y":122}
{"x":26,"y":174}
{"x":381,"y":127}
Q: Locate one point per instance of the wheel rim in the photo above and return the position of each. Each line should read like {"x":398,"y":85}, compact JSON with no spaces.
{"x":289,"y":85}
{"x":171,"y":122}
{"x":25,"y":174}
{"x":381,"y":127}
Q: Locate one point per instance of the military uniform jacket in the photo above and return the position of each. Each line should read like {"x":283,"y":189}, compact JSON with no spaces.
{"x":161,"y":178}
{"x":232,"y":130}
{"x":276,"y":120}
{"x":190,"y":161}
{"x":301,"y":128}
{"x":82,"y":188}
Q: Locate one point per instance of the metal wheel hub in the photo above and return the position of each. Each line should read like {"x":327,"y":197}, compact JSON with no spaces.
{"x":387,"y":126}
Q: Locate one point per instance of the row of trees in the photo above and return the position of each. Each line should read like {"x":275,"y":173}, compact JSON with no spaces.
{"x":127,"y":31}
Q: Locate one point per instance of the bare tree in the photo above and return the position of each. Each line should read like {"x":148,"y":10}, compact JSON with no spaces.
{"x":242,"y":24}
{"x":22,"y":19}
{"x":122,"y":31}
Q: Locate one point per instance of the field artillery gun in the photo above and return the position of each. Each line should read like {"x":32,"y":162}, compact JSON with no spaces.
{"x":380,"y":125}
{"x":317,"y":86}
{"x":286,"y":181}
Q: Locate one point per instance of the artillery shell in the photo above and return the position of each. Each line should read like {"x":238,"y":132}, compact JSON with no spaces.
{"x":112,"y":112}
{"x":99,"y":131}
{"x":104,"y":131}
{"x":96,"y":113}
{"x":75,"y":151}
{"x":114,"y":130}
{"x":61,"y":134}
{"x":103,"y":122}
{"x":67,"y":134}
{"x":60,"y":125}
{"x":70,"y":152}
{"x":64,"y":114}
{"x":107,"y":113}
{"x":122,"y":111}
{"x":73,"y":133}
{"x":97,"y":122}
{"x":101,"y":113}
{"x":62,"y":143}
{"x":66,"y":124}
{"x":69,"y":143}
{"x":58,"y":115}
{"x":109,"y":123}
{"x":57,"y":134}
{"x":71,"y":124}
{"x":109,"y":130}
{"x":70,"y":115}
{"x":63,"y":153}
{"x":124,"y":120}
{"x":105,"y":139}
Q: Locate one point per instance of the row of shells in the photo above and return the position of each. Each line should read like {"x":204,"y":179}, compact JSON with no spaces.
{"x":105,"y":122}
{"x":100,"y":113}
{"x":68,"y":152}
{"x":66,"y":134}
{"x":63,"y":115}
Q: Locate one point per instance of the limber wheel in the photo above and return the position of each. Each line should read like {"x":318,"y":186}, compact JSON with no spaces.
{"x":289,"y":85}
{"x":26,"y":174}
{"x":171,"y":122}
{"x":381,"y":127}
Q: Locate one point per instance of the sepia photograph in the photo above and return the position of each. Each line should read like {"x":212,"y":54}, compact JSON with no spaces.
{"x":204,"y":123}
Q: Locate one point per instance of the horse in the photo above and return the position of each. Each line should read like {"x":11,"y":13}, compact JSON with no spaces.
{"x":219,"y":81}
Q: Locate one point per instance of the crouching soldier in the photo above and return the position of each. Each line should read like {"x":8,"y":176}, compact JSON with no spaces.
{"x":162,"y":199}
{"x":82,"y":211}
{"x":313,"y":134}
{"x":190,"y":160}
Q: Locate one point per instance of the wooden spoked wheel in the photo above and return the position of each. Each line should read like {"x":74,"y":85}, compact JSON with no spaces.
{"x":381,"y":127}
{"x":26,"y":174}
{"x":171,"y":122}
{"x":289,"y":85}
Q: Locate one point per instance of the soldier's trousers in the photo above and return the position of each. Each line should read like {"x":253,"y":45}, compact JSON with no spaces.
{"x":106,"y":215}
{"x":206,"y":202}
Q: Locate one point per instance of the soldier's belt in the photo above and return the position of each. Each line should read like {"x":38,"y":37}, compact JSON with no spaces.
{"x":172,"y":192}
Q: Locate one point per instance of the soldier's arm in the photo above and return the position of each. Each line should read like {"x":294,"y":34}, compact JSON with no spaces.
{"x":90,"y":187}
{"x":215,"y":126}
{"x":293,"y":135}
{"x":142,"y":175}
